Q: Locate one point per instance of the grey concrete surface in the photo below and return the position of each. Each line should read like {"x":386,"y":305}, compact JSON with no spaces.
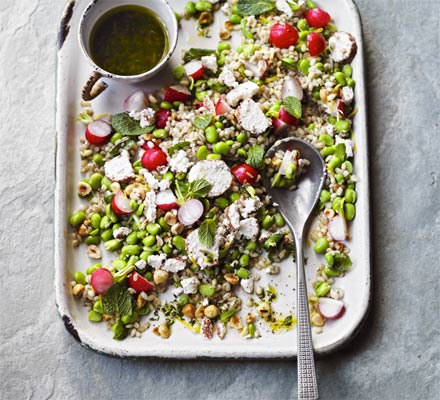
{"x":397,"y":354}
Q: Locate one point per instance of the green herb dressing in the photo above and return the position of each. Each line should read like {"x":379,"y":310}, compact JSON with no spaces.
{"x":128,"y":40}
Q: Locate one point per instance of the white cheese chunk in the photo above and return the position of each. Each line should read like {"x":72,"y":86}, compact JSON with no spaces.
{"x":156,"y":261}
{"x":121,"y":233}
{"x":119,"y":169}
{"x":227,"y":77}
{"x":347,"y":94}
{"x":342,"y":46}
{"x":190,"y":285}
{"x":283,"y":6}
{"x":210,"y":62}
{"x":216,"y":172}
{"x":249,"y":228}
{"x":150,"y":206}
{"x":232,"y":217}
{"x":251,"y":118}
{"x":174,"y":265}
{"x":179,"y":162}
{"x":145,"y":117}
{"x":141,"y":264}
{"x":245,"y":90}
{"x":202,"y":255}
{"x":247,"y":285}
{"x":248,"y":206}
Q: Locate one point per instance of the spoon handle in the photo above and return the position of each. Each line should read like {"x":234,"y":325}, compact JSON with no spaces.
{"x":307,"y":384}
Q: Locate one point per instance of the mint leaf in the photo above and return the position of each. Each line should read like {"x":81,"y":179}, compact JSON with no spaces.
{"x":255,"y":156}
{"x":117,"y":300}
{"x":207,"y":231}
{"x":293,"y":106}
{"x":196,"y":54}
{"x":182,"y":190}
{"x":203,"y":121}
{"x":342,"y":262}
{"x":177,"y":146}
{"x":199,"y":188}
{"x":128,"y":126}
{"x":255,"y":7}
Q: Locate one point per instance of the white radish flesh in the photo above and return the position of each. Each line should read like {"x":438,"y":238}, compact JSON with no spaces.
{"x":166,"y":200}
{"x":137,"y":101}
{"x":121,"y":204}
{"x":291,"y":87}
{"x":190,"y":212}
{"x":331,"y":308}
{"x":258,"y":69}
{"x":98,"y":132}
{"x":194,"y":69}
{"x":337,"y":228}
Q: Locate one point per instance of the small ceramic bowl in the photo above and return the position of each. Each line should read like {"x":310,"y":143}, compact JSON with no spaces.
{"x":89,"y":18}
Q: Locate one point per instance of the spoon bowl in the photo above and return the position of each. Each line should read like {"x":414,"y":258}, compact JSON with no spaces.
{"x":297,"y":207}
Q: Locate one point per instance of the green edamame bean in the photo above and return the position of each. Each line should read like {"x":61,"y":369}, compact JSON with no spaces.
{"x":335,"y":162}
{"x":201,"y":95}
{"x":94,"y":232}
{"x":330,"y":272}
{"x":235,"y":19}
{"x":112,"y":245}
{"x":95,"y":220}
{"x":149,"y":241}
{"x":206,"y":290}
{"x":267,"y":222}
{"x":213,"y":157}
{"x":108,"y":198}
{"x":183,"y":300}
{"x":324,"y":196}
{"x":167,"y":249}
{"x":339,"y":178}
{"x":95,"y":316}
{"x":350,"y":196}
{"x":242,"y":153}
{"x":315,"y":93}
{"x":92,"y":240}
{"x":303,"y":25}
{"x":221,"y":202}
{"x":95,"y":180}
{"x":322,"y":288}
{"x":251,"y":246}
{"x":251,"y":329}
{"x":223,"y":46}
{"x":141,"y":234}
{"x":79,"y":277}
{"x":177,"y":104}
{"x":211,"y":134}
{"x":329,"y":259}
{"x":243,"y":273}
{"x":321,"y":245}
{"x":145,"y":254}
{"x":326,"y":139}
{"x":179,"y":242}
{"x":118,"y":264}
{"x":304,"y":65}
{"x":340,"y":78}
{"x":349,"y":211}
{"x":337,"y":204}
{"x":347,"y":70}
{"x":160,"y":133}
{"x":221,"y":148}
{"x":234,"y":197}
{"x":203,"y":6}
{"x":351,"y":83}
{"x":107,"y":235}
{"x":332,"y":120}
{"x":98,"y":159}
{"x":134,"y":205}
{"x":202,"y":153}
{"x":132,"y":238}
{"x":90,"y":270}
{"x":326,"y":151}
{"x":244,"y":260}
{"x":279,"y":220}
{"x":163,"y":224}
{"x":348,"y":166}
{"x":116,"y":137}
{"x":140,"y":209}
{"x":153,"y":228}
{"x":219,"y":124}
{"x":131,"y":250}
{"x":78,"y":218}
{"x":128,"y":319}
{"x":98,"y":307}
{"x":166,"y":105}
{"x":190,"y":9}
{"x":342,"y":125}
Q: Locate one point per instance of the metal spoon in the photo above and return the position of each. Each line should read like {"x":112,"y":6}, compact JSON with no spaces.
{"x":297,"y":207}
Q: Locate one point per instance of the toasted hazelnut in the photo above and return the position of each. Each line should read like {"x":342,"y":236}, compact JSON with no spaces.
{"x":205,"y":18}
{"x":77,"y":289}
{"x":84,"y":189}
{"x":224,"y":34}
{"x":231,"y":278}
{"x":137,"y":188}
{"x":93,"y":252}
{"x":189,"y":311}
{"x":177,"y":228}
{"x":264,"y":309}
{"x":250,"y":318}
{"x":170,"y":218}
{"x":235,"y":322}
{"x":200,"y":312}
{"x":160,"y":276}
{"x":316,"y":319}
{"x":211,"y":311}
{"x":164,"y":331}
{"x":83,"y":230}
{"x":140,"y":301}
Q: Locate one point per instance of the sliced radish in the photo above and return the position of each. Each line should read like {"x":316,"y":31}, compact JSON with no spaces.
{"x":139,"y":283}
{"x":259,"y":68}
{"x":278,"y":125}
{"x":222,"y":107}
{"x":121,"y":204}
{"x":137,"y":101}
{"x":98,"y":132}
{"x":101,"y":280}
{"x":166,"y":200}
{"x":341,"y":108}
{"x":331,"y":308}
{"x":292,"y":87}
{"x":162,"y":116}
{"x":194,"y":69}
{"x":208,"y":105}
{"x":190,"y":212}
{"x":177,"y":93}
{"x":287,"y":118}
{"x":337,"y":228}
{"x":245,"y":173}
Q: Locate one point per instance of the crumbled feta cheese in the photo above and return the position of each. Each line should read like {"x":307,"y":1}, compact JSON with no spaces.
{"x":205,"y":302}
{"x":342,"y":47}
{"x":179,"y":162}
{"x":245,"y":90}
{"x":232,"y":217}
{"x":227,"y":77}
{"x":249,"y":228}
{"x":150,"y":206}
{"x":156,"y":261}
{"x":174,"y":265}
{"x":216,"y":172}
{"x":145,"y":117}
{"x":347,"y":94}
{"x":247,"y":285}
{"x":210,"y":62}
{"x":141,"y":264}
{"x":249,"y":206}
{"x":251,"y":118}
{"x":202,"y":255}
{"x":283,"y":6}
{"x":348,"y":145}
{"x":121,"y":233}
{"x":164,"y":184}
{"x":177,"y":291}
{"x":119,"y":169}
{"x":190,"y":285}
{"x":152,"y":182}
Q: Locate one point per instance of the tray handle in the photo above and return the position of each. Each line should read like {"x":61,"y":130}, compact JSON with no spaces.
{"x":93,"y":88}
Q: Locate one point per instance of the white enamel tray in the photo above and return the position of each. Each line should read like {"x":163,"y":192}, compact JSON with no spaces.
{"x":73,"y":71}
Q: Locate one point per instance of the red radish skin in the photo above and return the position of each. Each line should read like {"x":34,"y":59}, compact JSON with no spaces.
{"x":315,"y":43}
{"x":292,"y":87}
{"x":162,"y":116}
{"x":287,"y":118}
{"x":166,"y":200}
{"x":101,"y":280}
{"x":330,"y":308}
{"x":245,"y":173}
{"x":121,"y":204}
{"x":139,"y":283}
{"x":190,"y":212}
{"x":177,"y":93}
{"x":278,"y":125}
{"x":317,"y":18}
{"x":283,"y":36}
{"x":341,"y":108}
{"x":153,"y":158}
{"x":194,"y":69}
{"x":137,"y":101}
{"x":337,"y":228}
{"x":98,"y":132}
{"x":222,"y":107}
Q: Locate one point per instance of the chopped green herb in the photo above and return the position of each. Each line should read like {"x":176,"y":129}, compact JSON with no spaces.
{"x":117,"y":300}
{"x":128,"y":126}
{"x":293,"y":106}
{"x":177,"y":146}
{"x":196,"y":54}
{"x":255,"y":156}
{"x":203,"y":121}
{"x":207,"y":232}
{"x":255,"y":7}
